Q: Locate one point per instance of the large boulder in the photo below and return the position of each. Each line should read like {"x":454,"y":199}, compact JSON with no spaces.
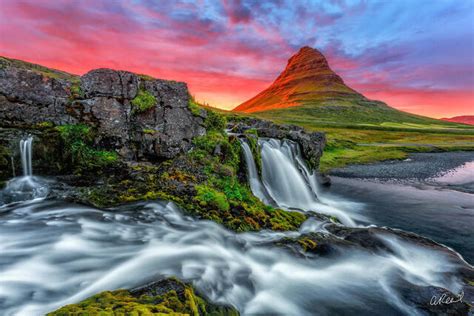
{"x":105,"y":99}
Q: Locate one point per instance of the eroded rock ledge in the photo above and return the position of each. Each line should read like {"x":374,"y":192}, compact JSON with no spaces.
{"x":312,"y":144}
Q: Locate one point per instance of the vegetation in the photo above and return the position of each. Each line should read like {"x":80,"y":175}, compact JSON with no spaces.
{"x":177,"y":299}
{"x":143,"y":101}
{"x":78,"y":140}
{"x":76,"y":91}
{"x":194,"y":106}
{"x":208,"y":182}
{"x":45,"y":71}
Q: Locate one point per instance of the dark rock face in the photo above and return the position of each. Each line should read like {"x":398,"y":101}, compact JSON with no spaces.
{"x":103,"y":99}
{"x":110,"y":83}
{"x":312,"y":144}
{"x":27,"y":98}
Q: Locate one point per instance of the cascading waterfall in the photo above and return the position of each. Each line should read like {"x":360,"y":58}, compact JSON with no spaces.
{"x":27,"y":187}
{"x":26,"y":155}
{"x":287,"y":181}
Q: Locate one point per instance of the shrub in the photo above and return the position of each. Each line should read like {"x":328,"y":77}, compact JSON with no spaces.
{"x":77,"y":142}
{"x":143,"y":101}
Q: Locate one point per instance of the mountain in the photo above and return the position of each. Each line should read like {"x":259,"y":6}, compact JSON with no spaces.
{"x":307,"y":78}
{"x":310,"y":94}
{"x":464,"y":119}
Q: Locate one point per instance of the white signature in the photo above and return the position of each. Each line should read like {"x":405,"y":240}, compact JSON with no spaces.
{"x":446,"y":299}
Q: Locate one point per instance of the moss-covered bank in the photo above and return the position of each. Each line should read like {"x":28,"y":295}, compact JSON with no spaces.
{"x":165,"y":297}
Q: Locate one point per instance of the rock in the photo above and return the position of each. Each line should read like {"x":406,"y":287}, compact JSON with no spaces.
{"x":28,"y":97}
{"x":311,"y":144}
{"x":109,"y":83}
{"x":103,"y":99}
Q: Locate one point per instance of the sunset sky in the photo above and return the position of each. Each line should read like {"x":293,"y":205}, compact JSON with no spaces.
{"x":417,"y":56}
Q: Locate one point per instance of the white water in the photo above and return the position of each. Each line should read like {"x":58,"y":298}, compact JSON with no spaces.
{"x":27,"y":187}
{"x":55,"y":254}
{"x":26,"y":155}
{"x":287,"y":181}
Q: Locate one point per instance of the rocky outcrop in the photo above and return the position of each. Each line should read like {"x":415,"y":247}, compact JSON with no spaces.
{"x":311,"y":143}
{"x":139,"y":118}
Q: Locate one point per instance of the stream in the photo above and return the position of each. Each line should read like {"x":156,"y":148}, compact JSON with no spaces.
{"x":54,"y":253}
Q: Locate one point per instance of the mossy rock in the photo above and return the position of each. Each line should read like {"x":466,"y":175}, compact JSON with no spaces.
{"x":165,"y":297}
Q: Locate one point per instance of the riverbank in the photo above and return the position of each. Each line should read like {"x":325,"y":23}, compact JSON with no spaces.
{"x":419,"y":166}
{"x":430,"y":194}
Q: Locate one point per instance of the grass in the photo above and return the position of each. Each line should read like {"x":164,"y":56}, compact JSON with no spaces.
{"x":45,"y":71}
{"x":365,"y":133}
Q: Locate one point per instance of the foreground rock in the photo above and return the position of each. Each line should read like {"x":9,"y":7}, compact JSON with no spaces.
{"x":164,"y":297}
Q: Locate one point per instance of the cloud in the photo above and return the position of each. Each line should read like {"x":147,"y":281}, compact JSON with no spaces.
{"x":416,"y":56}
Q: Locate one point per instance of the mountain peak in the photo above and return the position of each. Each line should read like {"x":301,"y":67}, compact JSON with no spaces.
{"x":306,"y":78}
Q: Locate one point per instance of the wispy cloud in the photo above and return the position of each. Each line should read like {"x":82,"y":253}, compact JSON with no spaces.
{"x":416,"y":55}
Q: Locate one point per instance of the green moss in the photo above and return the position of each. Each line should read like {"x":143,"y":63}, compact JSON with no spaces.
{"x":145,"y":77}
{"x":143,"y":101}
{"x":78,"y":141}
{"x":44,"y":71}
{"x":44,"y":125}
{"x":194,"y":107}
{"x":180,"y":299}
{"x":209,"y":196}
{"x":148,"y":131}
{"x":76,"y":91}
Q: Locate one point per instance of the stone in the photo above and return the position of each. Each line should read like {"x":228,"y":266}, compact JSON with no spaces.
{"x":109,"y":83}
{"x":105,"y":102}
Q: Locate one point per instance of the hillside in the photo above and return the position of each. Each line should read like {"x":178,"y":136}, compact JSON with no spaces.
{"x":464,"y":119}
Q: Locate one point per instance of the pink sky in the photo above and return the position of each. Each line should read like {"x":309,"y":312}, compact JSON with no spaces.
{"x":228,"y":51}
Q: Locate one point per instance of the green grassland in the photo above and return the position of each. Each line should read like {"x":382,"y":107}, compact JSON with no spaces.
{"x":364,"y":131}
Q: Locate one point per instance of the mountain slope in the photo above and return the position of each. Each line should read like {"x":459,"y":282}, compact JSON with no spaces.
{"x":464,"y":119}
{"x":307,"y":78}
{"x":309,"y":93}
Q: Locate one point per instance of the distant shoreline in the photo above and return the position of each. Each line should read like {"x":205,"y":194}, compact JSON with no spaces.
{"x":418,"y":166}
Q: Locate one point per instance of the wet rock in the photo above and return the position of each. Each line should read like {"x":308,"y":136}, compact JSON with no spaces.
{"x":311,"y":143}
{"x":434,"y":300}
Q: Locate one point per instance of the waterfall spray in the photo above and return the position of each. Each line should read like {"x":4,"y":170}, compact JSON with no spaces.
{"x":26,"y":155}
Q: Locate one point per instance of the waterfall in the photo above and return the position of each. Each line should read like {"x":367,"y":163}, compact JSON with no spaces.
{"x":26,"y":154}
{"x":27,"y":187}
{"x":287,"y":182}
{"x":255,"y":185}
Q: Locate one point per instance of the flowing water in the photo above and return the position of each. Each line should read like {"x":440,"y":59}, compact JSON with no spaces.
{"x":287,"y":183}
{"x":55,"y":253}
{"x":27,"y":187}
